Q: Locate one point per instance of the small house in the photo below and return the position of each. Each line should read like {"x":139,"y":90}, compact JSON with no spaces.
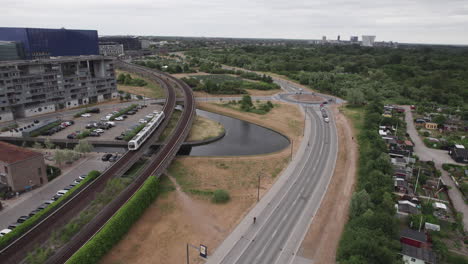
{"x":413,"y":238}
{"x":430,"y":126}
{"x":415,"y":255}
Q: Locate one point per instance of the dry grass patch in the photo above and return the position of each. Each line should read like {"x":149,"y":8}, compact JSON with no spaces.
{"x":204,"y":128}
{"x":151,"y":90}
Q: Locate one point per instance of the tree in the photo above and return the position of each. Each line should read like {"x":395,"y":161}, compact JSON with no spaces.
{"x":360,"y":202}
{"x":440,"y":120}
{"x":356,"y":97}
{"x":83,"y":146}
{"x":49,"y":144}
{"x":37,"y":145}
{"x":246,"y":103}
{"x":128,"y":96}
{"x":59,"y":157}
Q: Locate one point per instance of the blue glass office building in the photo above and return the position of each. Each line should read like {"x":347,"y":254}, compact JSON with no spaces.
{"x":42,"y":42}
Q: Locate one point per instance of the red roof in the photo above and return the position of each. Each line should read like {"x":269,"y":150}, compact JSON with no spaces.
{"x":10,"y":153}
{"x":408,"y":143}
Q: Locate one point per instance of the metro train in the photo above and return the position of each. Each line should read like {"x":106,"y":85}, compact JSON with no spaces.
{"x":143,"y":135}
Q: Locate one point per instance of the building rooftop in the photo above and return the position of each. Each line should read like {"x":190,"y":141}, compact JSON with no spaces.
{"x":413,"y":234}
{"x":424,"y":254}
{"x":11,"y":154}
{"x":55,"y":59}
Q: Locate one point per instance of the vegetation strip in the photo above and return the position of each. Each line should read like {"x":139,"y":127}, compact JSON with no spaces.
{"x":118,"y":225}
{"x":123,"y":111}
{"x":24,"y":227}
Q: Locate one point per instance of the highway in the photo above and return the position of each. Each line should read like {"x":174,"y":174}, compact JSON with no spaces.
{"x":285,"y":213}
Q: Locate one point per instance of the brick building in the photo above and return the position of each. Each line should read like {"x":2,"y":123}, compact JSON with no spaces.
{"x":21,"y":169}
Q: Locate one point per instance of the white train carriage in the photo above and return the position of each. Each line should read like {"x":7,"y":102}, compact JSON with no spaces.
{"x":143,"y":135}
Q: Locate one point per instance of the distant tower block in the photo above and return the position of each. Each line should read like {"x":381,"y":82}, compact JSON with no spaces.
{"x":324,"y":38}
{"x":338,"y":38}
{"x":368,"y":41}
{"x":354,"y":39}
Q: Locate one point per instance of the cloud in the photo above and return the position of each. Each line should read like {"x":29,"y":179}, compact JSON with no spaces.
{"x":429,"y":21}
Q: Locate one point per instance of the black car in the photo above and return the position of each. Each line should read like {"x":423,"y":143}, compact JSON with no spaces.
{"x":131,"y":112}
{"x":106,"y":157}
{"x":113,"y":158}
{"x":119,"y":138}
{"x":69,"y":187}
{"x":71,"y":136}
{"x":36,"y":121}
{"x":124,"y":116}
{"x":56,"y":197}
{"x":22,"y":219}
{"x":13,"y":226}
{"x":94,"y":110}
{"x":34,"y":212}
{"x":42,"y":206}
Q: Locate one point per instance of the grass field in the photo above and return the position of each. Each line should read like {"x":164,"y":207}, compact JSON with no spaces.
{"x":151,"y":90}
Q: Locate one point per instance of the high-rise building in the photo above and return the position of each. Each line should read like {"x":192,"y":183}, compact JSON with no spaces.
{"x":324,"y":38}
{"x":44,"y":43}
{"x":111,"y":49}
{"x":368,"y":41}
{"x":129,"y":43}
{"x":10,"y":50}
{"x":33,"y":87}
{"x":338,"y":38}
{"x":354,"y":39}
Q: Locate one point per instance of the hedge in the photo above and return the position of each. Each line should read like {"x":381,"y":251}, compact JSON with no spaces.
{"x":123,"y":111}
{"x":39,"y":131}
{"x":53,"y":172}
{"x":24,"y":227}
{"x":118,"y":225}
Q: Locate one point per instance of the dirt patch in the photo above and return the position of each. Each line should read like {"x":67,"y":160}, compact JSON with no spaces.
{"x":321,"y":241}
{"x":161,"y":234}
{"x":204,"y":128}
{"x":307,"y":98}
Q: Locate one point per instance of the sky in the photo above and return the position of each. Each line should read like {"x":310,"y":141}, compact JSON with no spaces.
{"x":408,"y":21}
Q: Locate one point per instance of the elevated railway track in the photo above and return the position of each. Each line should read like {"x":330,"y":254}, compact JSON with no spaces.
{"x":38,"y":234}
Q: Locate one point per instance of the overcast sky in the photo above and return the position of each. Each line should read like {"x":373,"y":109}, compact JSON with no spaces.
{"x":415,"y":21}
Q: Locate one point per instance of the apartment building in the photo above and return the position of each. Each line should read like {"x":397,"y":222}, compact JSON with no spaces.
{"x":33,"y":87}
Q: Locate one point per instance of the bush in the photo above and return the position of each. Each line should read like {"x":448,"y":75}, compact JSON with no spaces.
{"x":39,"y":131}
{"x":24,"y":227}
{"x":133,"y":133}
{"x":123,"y":111}
{"x":220,"y":196}
{"x":118,"y":225}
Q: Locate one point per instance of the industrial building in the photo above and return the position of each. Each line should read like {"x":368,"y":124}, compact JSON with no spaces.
{"x":29,"y":88}
{"x":10,"y":50}
{"x":35,"y":43}
{"x":368,"y":41}
{"x":21,"y":169}
{"x":128,"y":42}
{"x":111,"y":49}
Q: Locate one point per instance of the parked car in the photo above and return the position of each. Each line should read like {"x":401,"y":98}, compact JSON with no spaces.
{"x":142,"y":121}
{"x":94,"y":110}
{"x":34,"y":212}
{"x":56,"y":197}
{"x":4,"y":232}
{"x":86,"y":115}
{"x":149,"y":116}
{"x":36,"y":121}
{"x":13,"y":226}
{"x":120,"y":118}
{"x":131,"y":112}
{"x":124,"y":116}
{"x":71,"y":136}
{"x":106,"y":157}
{"x":114,"y":158}
{"x":82,"y":177}
{"x":98,"y":130}
{"x":62,"y":192}
{"x":110,"y":123}
{"x":94,"y":134}
{"x":49,"y":202}
{"x":69,"y":187}
{"x":22,"y":219}
{"x":119,"y":138}
{"x":43,"y":206}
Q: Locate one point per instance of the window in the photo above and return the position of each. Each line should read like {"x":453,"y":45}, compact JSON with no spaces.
{"x":39,"y":171}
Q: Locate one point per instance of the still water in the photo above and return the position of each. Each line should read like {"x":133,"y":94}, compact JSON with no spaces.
{"x":242,"y":138}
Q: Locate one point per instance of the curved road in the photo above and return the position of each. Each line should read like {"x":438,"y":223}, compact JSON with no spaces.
{"x":286,"y":211}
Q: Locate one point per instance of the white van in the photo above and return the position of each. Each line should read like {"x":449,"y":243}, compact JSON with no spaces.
{"x":4,"y":232}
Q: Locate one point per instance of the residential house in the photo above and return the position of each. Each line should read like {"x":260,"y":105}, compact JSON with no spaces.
{"x":21,"y":169}
{"x":430,"y":126}
{"x":415,"y":255}
{"x":413,"y":238}
{"x":405,"y":208}
{"x":398,"y":161}
{"x":400,"y":185}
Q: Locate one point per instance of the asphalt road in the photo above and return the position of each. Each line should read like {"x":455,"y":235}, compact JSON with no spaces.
{"x":282,"y":224}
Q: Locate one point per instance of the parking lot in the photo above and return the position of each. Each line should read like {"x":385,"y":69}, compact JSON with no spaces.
{"x":107,"y":134}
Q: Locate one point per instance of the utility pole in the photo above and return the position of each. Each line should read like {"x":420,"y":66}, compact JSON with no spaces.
{"x":292,"y":146}
{"x":258,"y":188}
{"x":417,"y":178}
{"x":188,"y":260}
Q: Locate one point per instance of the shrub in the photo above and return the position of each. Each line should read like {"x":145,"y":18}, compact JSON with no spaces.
{"x":53,"y":172}
{"x":123,"y":111}
{"x":39,"y":131}
{"x":220,"y":196}
{"x":118,"y":225}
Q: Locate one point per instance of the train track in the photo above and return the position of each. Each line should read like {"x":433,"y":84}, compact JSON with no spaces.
{"x":159,"y":162}
{"x":16,"y":251}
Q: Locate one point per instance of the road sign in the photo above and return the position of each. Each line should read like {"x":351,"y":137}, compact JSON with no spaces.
{"x":203,"y":251}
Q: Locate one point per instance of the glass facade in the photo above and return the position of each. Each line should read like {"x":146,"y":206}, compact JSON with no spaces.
{"x":41,"y":42}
